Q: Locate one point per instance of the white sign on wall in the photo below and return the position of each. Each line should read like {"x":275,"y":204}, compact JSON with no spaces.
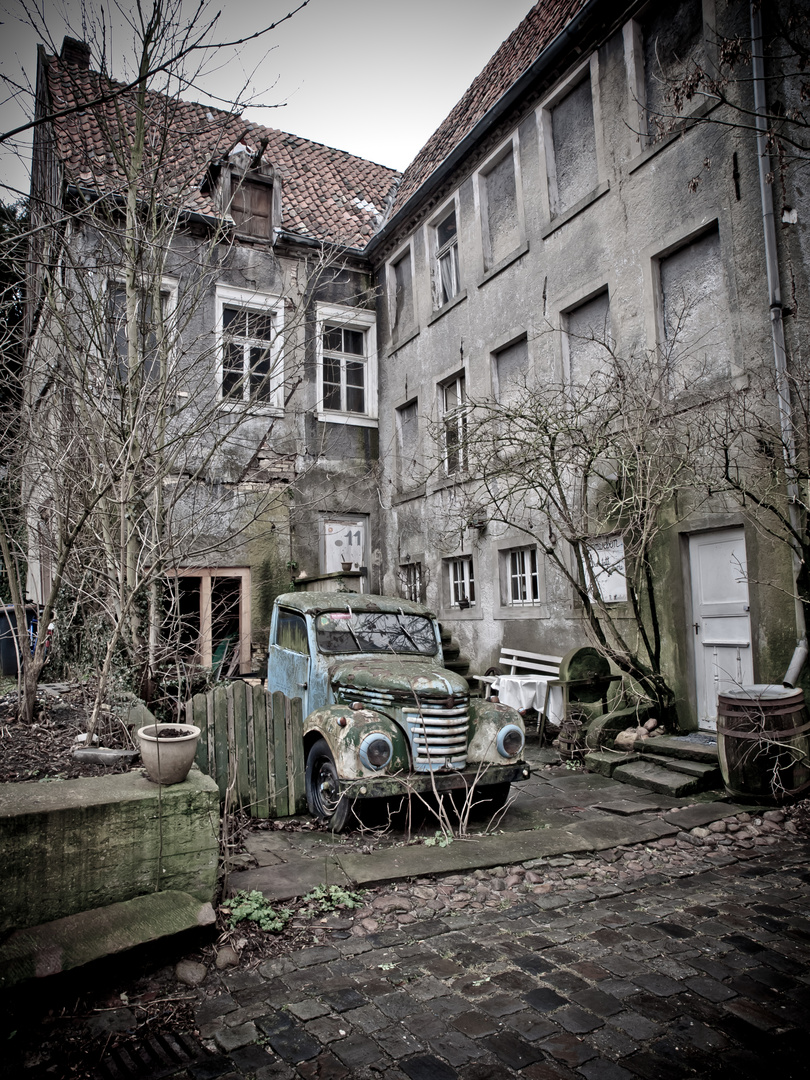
{"x":344,"y":542}
{"x":607,"y":559}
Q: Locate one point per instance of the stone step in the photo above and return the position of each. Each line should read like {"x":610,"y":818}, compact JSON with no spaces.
{"x":683,"y":747}
{"x":701,"y":770}
{"x":89,"y":935}
{"x":657,"y":778}
{"x":605,"y":762}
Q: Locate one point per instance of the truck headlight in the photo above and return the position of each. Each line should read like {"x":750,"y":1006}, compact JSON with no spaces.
{"x":376,"y":751}
{"x":510,"y":741}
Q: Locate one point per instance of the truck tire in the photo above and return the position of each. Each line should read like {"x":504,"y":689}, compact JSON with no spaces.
{"x":321,"y":779}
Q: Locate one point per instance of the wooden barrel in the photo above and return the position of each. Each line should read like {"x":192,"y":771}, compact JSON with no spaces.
{"x":763,"y":742}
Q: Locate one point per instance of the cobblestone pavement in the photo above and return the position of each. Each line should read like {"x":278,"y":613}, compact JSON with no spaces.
{"x":664,"y":972}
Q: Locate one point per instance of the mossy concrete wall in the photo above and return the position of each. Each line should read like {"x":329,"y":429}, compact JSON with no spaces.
{"x":74,"y":845}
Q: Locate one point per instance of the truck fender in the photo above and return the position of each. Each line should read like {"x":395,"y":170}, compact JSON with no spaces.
{"x":348,"y":731}
{"x":489,"y":722}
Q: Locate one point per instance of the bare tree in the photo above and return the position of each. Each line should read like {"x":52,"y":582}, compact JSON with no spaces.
{"x":145,"y":442}
{"x":593,"y":473}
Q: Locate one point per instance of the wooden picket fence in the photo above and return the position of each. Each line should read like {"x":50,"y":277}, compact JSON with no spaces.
{"x":255,"y":740}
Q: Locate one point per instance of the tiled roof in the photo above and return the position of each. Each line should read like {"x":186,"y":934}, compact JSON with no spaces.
{"x":327,"y":194}
{"x":543,"y":23}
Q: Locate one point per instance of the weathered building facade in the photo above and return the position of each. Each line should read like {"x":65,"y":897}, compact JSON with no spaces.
{"x":560,"y":214}
{"x":255,"y":326}
{"x":577,"y":204}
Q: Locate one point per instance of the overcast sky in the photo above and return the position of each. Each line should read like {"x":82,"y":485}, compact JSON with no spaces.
{"x":374,"y":77}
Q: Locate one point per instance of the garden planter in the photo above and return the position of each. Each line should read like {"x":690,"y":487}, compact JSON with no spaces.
{"x":167,"y":751}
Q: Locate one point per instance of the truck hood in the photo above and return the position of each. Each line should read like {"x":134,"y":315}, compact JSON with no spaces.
{"x":399,"y":675}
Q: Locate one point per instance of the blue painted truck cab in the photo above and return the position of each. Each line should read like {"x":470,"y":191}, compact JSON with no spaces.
{"x":383,"y":716}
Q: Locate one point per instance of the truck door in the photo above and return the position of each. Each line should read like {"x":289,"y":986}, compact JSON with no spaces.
{"x":288,"y":662}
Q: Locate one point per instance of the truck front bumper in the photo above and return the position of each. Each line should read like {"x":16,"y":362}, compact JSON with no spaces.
{"x":377,"y":787}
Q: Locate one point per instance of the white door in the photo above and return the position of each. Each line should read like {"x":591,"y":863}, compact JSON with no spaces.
{"x":721,"y":630}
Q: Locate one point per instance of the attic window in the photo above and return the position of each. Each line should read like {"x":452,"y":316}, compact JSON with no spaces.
{"x":252,"y":206}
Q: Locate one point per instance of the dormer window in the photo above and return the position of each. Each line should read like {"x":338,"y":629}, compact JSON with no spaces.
{"x":252,"y":205}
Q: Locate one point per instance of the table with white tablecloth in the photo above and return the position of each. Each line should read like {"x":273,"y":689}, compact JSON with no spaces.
{"x":523,"y":692}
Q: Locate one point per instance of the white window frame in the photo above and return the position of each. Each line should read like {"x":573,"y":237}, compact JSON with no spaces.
{"x":437,"y":253}
{"x":461,"y":580}
{"x":168,"y":285}
{"x":587,"y":70}
{"x":457,"y":421}
{"x":521,"y":568}
{"x":352,"y":319}
{"x":265,"y":304}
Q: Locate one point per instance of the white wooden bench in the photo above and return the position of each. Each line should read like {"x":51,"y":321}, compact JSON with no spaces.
{"x":519,"y":662}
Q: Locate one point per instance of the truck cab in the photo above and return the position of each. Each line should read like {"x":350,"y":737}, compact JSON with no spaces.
{"x":383,"y":716}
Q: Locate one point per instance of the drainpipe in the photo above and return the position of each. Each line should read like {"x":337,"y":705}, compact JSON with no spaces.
{"x":777,"y":332}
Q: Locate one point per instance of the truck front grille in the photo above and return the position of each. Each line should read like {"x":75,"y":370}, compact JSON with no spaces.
{"x":436,"y":725}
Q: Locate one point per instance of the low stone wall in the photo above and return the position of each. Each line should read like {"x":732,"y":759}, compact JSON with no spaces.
{"x":73,"y":845}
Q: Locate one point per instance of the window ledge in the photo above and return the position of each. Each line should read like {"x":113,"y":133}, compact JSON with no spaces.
{"x":437,"y":314}
{"x":406,"y":496}
{"x":409,"y":336}
{"x":456,"y":480}
{"x":684,"y":125}
{"x":502,"y":265}
{"x":540,"y":610}
{"x":462,"y":614}
{"x":352,"y":419}
{"x":251,"y":407}
{"x":577,"y":208}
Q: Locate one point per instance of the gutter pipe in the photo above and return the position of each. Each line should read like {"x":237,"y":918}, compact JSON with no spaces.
{"x":800,"y":653}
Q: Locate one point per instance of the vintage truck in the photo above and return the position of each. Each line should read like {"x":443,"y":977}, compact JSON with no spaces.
{"x":383,"y":716}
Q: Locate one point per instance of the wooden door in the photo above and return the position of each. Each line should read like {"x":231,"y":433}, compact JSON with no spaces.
{"x":721,"y":630}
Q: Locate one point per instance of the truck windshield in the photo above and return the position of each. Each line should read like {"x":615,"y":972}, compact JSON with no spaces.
{"x":375,"y":632}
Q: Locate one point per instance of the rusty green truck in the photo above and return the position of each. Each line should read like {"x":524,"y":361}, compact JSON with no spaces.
{"x":383,"y":716}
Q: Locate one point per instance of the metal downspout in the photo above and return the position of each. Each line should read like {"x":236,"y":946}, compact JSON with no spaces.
{"x":777,"y":331}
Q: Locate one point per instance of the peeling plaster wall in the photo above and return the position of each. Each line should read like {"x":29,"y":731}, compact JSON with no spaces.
{"x":641,"y":233}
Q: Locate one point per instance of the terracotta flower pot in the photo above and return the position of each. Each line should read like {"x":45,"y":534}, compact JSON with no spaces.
{"x":167,"y":758}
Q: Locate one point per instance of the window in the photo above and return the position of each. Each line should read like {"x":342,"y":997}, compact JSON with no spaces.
{"x":252,"y":206}
{"x":672,"y":36}
{"x":410,"y":579}
{"x":501,"y":211}
{"x":453,"y":405}
{"x":250,"y":331}
{"x":346,"y":365}
{"x":407,"y":420}
{"x":151,"y":331}
{"x":291,"y":632}
{"x":694,"y":336}
{"x":400,"y":285}
{"x":511,"y":366}
{"x":446,"y":282}
{"x":462,"y":582}
{"x":207,"y":618}
{"x":522,"y":573}
{"x":572,"y":165}
{"x":587,"y":339}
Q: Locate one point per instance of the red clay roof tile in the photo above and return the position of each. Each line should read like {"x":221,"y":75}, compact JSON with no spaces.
{"x":543,"y":23}
{"x":185,"y":138}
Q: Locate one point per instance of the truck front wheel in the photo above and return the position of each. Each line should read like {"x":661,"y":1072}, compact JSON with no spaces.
{"x":323,"y":789}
